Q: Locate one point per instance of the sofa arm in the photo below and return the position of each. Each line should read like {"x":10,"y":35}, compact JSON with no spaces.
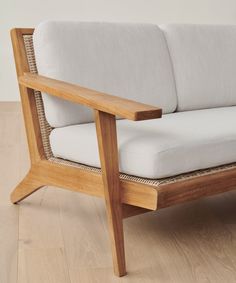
{"x":122,"y":107}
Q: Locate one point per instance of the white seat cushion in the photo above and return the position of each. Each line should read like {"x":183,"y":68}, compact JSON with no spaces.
{"x":177,"y":143}
{"x":126,"y":60}
{"x":204,"y":62}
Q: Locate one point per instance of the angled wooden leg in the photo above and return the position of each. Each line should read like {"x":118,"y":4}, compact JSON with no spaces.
{"x":25,"y":188}
{"x":107,"y":141}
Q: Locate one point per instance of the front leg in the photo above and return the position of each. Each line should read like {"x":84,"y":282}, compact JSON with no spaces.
{"x":107,"y":142}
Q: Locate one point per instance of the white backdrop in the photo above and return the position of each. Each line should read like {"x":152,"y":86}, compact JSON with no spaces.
{"x":28,"y":13}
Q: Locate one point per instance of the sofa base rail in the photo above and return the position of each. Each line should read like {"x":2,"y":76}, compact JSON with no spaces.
{"x":136,"y":194}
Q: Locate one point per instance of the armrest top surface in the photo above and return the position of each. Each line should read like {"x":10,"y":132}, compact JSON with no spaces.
{"x":122,"y":107}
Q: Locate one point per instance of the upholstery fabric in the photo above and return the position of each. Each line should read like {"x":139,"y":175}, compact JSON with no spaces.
{"x":204,"y":63}
{"x":126,"y":60}
{"x":177,"y":143}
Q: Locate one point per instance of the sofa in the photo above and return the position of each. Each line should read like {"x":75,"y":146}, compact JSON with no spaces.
{"x":142,"y":115}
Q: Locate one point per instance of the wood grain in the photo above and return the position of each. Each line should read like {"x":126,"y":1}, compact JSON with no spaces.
{"x":115,"y":105}
{"x":199,"y":187}
{"x":25,"y":188}
{"x":67,"y":177}
{"x":8,"y":242}
{"x":10,"y":174}
{"x":27,"y":97}
{"x":41,"y":243}
{"x":130,"y":210}
{"x":108,"y":151}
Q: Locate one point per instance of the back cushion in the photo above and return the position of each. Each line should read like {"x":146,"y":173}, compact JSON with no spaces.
{"x":126,"y":60}
{"x":204,"y":62}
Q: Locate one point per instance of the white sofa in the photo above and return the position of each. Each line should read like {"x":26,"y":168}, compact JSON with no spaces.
{"x":69,"y":71}
{"x":187,"y":70}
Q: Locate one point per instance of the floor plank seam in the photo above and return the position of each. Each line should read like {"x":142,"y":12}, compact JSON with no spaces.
{"x":63,"y":239}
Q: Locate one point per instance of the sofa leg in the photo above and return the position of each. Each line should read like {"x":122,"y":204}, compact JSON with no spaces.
{"x":107,"y":143}
{"x":115,"y":225}
{"x":25,"y":188}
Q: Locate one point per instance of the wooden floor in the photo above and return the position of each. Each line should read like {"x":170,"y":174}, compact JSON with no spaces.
{"x":60,"y":236}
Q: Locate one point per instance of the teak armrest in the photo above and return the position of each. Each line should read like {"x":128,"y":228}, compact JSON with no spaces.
{"x":122,"y":107}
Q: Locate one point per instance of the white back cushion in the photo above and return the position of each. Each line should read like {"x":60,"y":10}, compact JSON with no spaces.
{"x":204,"y":62}
{"x":126,"y":60}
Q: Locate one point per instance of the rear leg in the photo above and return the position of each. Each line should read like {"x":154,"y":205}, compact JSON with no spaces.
{"x":25,"y":188}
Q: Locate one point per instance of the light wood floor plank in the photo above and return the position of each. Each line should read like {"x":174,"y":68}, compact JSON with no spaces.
{"x":10,"y":175}
{"x":41,"y":245}
{"x":43,"y":265}
{"x":8,"y":243}
{"x":203,"y":242}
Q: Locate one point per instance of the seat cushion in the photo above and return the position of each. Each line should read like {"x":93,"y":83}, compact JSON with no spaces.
{"x":177,"y":143}
{"x":126,"y":60}
{"x":204,"y":62}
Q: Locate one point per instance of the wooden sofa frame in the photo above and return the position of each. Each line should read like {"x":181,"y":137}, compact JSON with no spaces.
{"x":123,"y":198}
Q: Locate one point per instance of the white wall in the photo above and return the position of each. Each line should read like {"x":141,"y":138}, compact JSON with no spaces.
{"x":28,"y":13}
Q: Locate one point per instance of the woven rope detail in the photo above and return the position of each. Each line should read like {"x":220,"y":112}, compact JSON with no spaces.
{"x":151,"y":182}
{"x":45,"y":128}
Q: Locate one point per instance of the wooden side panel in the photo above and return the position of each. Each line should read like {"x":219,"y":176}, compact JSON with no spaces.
{"x":75,"y":179}
{"x":27,"y":97}
{"x":196,"y":188}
